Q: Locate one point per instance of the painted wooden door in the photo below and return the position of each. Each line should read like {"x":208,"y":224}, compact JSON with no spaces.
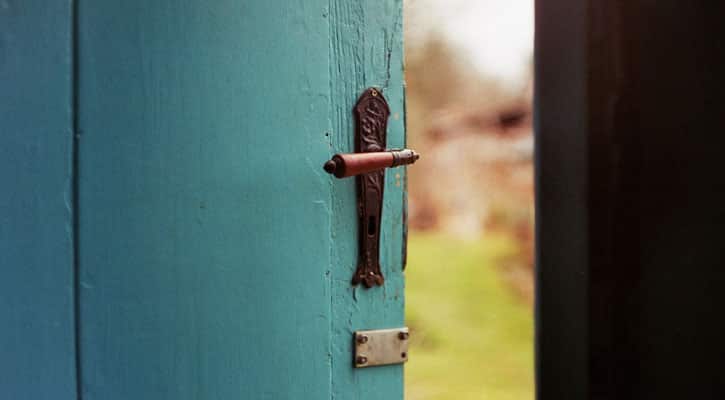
{"x":168,"y":231}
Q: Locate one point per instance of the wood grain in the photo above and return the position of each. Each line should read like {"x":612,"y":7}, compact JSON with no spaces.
{"x":214,"y":253}
{"x":37,"y":351}
{"x":366,"y":51}
{"x":205,"y":211}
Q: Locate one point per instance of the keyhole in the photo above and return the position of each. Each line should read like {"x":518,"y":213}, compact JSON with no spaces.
{"x":371,"y":226}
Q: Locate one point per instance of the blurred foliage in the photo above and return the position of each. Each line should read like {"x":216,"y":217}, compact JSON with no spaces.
{"x":471,"y":335}
{"x":474,"y":134}
{"x":469,"y":279}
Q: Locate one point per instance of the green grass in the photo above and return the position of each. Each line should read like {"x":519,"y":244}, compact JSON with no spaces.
{"x":471,"y":336}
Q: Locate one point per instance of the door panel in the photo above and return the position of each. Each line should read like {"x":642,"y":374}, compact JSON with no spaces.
{"x":37,"y":350}
{"x":215,"y":254}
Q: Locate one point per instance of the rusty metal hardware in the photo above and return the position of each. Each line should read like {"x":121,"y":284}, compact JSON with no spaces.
{"x":381,"y":347}
{"x":368,"y":163}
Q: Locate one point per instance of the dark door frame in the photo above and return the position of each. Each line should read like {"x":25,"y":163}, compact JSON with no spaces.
{"x":630,"y":120}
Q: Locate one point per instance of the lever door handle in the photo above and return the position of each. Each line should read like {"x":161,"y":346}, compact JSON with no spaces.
{"x":352,"y":164}
{"x":368,"y":163}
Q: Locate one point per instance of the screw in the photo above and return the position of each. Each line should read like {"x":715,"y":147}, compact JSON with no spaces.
{"x":362,"y":339}
{"x":403,"y":335}
{"x":362,"y":360}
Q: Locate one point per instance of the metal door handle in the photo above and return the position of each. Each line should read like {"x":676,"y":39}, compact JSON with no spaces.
{"x":351,"y":164}
{"x":368,"y":163}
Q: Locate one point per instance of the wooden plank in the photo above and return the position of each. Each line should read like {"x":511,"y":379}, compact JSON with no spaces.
{"x":37,"y":351}
{"x":367,"y":50}
{"x":205,"y":223}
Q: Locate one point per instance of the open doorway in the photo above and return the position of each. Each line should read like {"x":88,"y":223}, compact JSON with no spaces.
{"x":470,"y":266}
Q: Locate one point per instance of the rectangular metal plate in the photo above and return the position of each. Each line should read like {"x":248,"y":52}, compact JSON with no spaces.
{"x":381,"y":347}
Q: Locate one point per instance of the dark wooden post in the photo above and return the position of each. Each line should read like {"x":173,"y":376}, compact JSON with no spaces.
{"x":631,"y":199}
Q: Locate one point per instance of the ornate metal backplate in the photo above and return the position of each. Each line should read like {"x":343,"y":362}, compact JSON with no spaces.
{"x":371,"y":122}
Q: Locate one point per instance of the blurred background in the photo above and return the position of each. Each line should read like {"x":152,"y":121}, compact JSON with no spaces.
{"x":470,"y":253}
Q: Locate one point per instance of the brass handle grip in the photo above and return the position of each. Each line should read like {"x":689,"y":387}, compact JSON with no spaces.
{"x":346,"y":165}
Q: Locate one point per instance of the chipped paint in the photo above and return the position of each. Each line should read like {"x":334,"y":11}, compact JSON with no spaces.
{"x":366,"y":52}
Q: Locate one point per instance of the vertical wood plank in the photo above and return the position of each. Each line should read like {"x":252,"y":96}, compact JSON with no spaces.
{"x":562,"y":231}
{"x":366,"y":50}
{"x":205,"y":218}
{"x":37,"y":351}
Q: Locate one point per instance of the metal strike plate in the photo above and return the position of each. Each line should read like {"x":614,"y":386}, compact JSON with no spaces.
{"x":381,"y":347}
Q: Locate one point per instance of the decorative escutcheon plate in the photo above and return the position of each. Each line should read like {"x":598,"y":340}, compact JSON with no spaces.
{"x":371,"y":123}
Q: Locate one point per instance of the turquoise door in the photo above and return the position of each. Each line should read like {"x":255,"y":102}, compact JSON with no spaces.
{"x":168,"y":231}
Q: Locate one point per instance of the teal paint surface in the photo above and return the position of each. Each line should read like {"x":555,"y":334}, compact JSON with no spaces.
{"x":366,"y":50}
{"x":214,"y":254}
{"x":204,"y":209}
{"x":37,"y":351}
